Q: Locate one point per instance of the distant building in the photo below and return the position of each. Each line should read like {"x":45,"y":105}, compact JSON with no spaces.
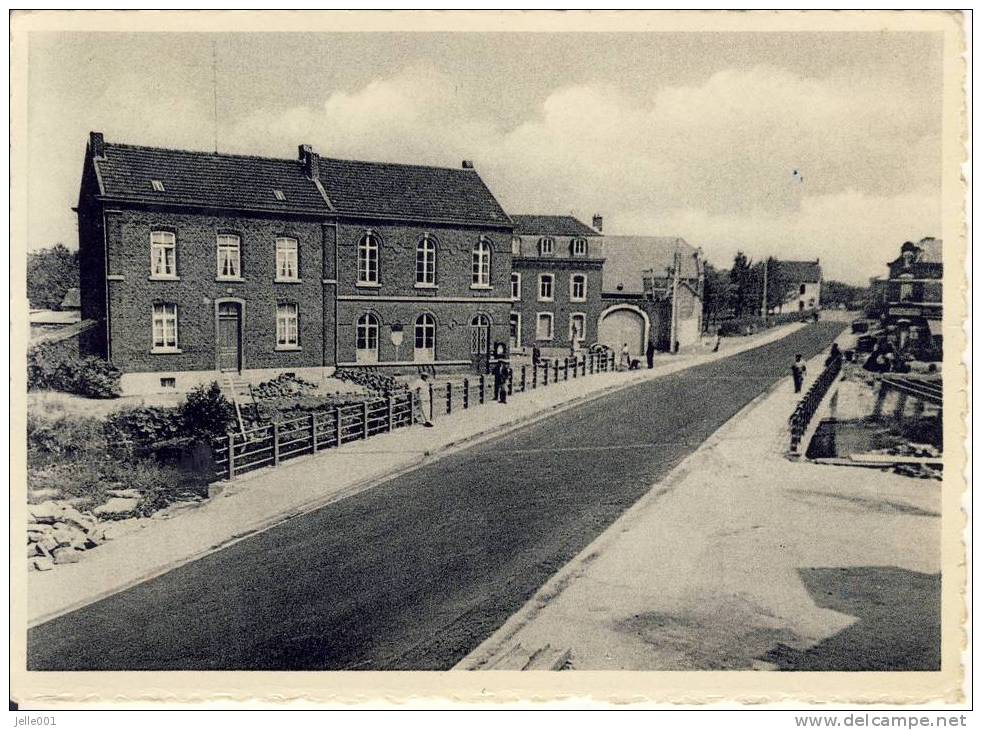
{"x":556,"y":281}
{"x":638,"y":282}
{"x":914,"y":294}
{"x":804,"y":285}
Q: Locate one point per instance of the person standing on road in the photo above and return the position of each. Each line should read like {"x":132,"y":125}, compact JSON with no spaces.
{"x":501,"y":380}
{"x":650,"y":354}
{"x":798,"y":373}
{"x":626,"y":357}
{"x":420,"y":390}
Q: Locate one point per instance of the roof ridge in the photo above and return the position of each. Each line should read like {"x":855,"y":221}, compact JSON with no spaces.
{"x":202,"y":153}
{"x":401,"y":164}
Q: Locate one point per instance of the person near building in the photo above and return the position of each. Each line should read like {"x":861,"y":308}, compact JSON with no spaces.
{"x":626,"y":357}
{"x":650,"y":354}
{"x":501,"y":375}
{"x":420,"y":388}
{"x":798,"y":373}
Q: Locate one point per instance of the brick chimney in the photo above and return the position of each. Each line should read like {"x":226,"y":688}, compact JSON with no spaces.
{"x":97,"y":145}
{"x":598,"y":223}
{"x":467,"y":164}
{"x":310,"y":161}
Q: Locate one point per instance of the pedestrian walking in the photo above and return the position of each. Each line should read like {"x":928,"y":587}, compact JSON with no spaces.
{"x":422,"y":406}
{"x":798,"y":372}
{"x":626,"y":357}
{"x":650,"y":354}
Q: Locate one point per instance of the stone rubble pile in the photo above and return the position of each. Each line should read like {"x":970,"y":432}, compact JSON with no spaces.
{"x":57,"y":533}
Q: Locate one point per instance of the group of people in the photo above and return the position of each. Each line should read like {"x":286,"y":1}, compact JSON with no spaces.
{"x":422,"y":401}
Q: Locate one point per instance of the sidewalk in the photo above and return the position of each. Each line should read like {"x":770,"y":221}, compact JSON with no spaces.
{"x":267,"y":497}
{"x":742,"y":559}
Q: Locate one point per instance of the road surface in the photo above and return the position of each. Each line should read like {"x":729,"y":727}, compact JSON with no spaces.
{"x":417,"y":571}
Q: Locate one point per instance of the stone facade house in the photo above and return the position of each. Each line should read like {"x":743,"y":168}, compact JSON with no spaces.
{"x":196,"y":263}
{"x":913,"y":293}
{"x":556,"y":281}
{"x":804,"y":280}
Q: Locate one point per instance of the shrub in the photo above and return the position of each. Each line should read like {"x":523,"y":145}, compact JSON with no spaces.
{"x":91,"y":377}
{"x":206,"y":412}
{"x":143,"y":425}
{"x":160,"y":485}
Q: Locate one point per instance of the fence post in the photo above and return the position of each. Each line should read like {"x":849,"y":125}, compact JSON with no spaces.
{"x":523,"y":379}
{"x":574,"y":367}
{"x":449,"y":398}
{"x":545,"y":374}
{"x":313,"y":432}
{"x":591,"y":362}
{"x":429,"y":416}
{"x":467,"y":393}
{"x":389,"y":403}
{"x":337,"y":425}
{"x":511,"y":381}
{"x":276,"y":443}
{"x":364,"y":415}
{"x":584,"y":366}
{"x":535,"y":375}
{"x":231,"y":455}
{"x":480,"y":397}
{"x":555,"y":371}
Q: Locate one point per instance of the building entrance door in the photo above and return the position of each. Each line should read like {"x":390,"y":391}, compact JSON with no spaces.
{"x":230,"y":336}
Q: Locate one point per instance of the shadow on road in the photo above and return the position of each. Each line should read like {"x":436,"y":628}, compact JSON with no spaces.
{"x":898,"y":627}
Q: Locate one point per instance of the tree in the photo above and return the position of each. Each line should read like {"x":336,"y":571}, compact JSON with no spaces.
{"x":716,"y":296}
{"x":835,"y":293}
{"x":740,"y":295}
{"x":51,"y":272}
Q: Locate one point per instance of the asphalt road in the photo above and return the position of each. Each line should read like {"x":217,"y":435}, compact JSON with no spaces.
{"x":417,"y":571}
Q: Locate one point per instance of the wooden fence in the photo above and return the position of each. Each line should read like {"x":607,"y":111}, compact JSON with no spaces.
{"x":805,"y":410}
{"x":269,"y":444}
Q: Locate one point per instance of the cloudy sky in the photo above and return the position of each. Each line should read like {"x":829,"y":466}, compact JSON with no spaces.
{"x":690,"y":134}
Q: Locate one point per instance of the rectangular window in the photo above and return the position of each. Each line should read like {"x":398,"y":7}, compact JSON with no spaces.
{"x":229,"y":257}
{"x":545,"y":287}
{"x":278,"y":194}
{"x":169,"y":383}
{"x":164,"y":327}
{"x":163,"y":255}
{"x":577,"y":288}
{"x":368,"y":260}
{"x":579,"y":247}
{"x":543,"y":326}
{"x":287,"y":325}
{"x":157,"y":185}
{"x":516,"y":287}
{"x":287,"y":260}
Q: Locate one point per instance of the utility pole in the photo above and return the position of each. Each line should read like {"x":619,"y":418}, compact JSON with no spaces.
{"x":764,"y":304}
{"x":675,"y":293}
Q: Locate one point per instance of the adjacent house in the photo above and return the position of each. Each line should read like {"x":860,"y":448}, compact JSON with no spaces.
{"x":196,"y":263}
{"x":804,"y":279}
{"x":652,"y":290}
{"x":556,"y":281}
{"x":914,"y":305}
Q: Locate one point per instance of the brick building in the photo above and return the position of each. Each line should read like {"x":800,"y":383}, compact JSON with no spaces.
{"x":195,"y":263}
{"x":556,"y":280}
{"x":913,"y":294}
{"x":640,"y":275}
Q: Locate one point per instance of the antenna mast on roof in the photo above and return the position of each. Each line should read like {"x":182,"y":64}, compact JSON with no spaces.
{"x":214,"y":88}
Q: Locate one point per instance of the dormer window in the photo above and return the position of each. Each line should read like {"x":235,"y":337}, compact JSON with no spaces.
{"x":546,"y":246}
{"x":278,"y":194}
{"x":579,"y":247}
{"x":158,"y":185}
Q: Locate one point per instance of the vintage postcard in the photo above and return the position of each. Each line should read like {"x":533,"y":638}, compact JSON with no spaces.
{"x":488,"y":356}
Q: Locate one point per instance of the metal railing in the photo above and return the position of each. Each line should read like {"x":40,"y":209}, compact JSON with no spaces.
{"x":807,"y":406}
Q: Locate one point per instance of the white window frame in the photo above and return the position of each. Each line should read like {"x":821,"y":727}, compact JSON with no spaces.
{"x":157,"y":185}
{"x":369,"y":255}
{"x":480,"y":323}
{"x":427,"y":323}
{"x":518,"y":329}
{"x":287,"y":248}
{"x":287,"y":326}
{"x":224,"y":241}
{"x":547,"y":246}
{"x":516,"y":286}
{"x":572,"y":287}
{"x":540,"y":317}
{"x":582,"y":334}
{"x":366,"y":325}
{"x":162,"y":242}
{"x":426,"y":262}
{"x":481,"y":264}
{"x":552,"y":287}
{"x":575,"y":246}
{"x":163,"y":321}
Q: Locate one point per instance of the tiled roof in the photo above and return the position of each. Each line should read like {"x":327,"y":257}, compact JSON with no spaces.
{"x":801,"y":272}
{"x":551,"y":225}
{"x":203,"y":178}
{"x":628,"y":257}
{"x":238,"y":181}
{"x":410,"y":191}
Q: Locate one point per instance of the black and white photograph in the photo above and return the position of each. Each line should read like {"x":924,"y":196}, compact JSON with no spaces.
{"x":504,"y":347}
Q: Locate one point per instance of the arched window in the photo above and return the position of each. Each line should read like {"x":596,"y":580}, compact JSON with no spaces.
{"x":366,"y":338}
{"x":426,"y":262}
{"x":368,"y":259}
{"x":481,"y":268}
{"x":424,"y":333}
{"x":480,"y":334}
